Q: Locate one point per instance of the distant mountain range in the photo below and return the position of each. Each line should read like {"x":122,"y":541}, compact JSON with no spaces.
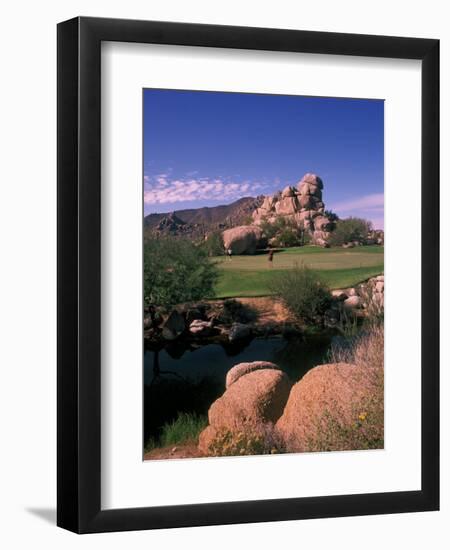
{"x":199,"y":221}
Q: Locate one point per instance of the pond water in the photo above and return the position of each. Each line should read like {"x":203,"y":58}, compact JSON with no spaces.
{"x":295,"y":356}
{"x":181,"y":378}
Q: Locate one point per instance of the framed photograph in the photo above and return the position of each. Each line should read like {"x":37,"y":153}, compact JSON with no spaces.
{"x":248,"y":275}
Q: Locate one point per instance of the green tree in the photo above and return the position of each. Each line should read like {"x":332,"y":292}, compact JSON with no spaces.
{"x":332,"y":216}
{"x":289,"y":237}
{"x":176,"y":271}
{"x":286,"y":232}
{"x":247,"y":220}
{"x":213,"y":244}
{"x":270,"y":229}
{"x":350,"y":229}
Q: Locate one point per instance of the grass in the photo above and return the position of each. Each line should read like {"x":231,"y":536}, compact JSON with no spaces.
{"x":251,"y":275}
{"x":183,"y":430}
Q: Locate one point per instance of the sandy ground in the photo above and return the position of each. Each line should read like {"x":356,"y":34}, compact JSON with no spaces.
{"x":174,"y":451}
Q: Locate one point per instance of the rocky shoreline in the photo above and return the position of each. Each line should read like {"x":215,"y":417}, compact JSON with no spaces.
{"x":225,"y":322}
{"x":232,"y":321}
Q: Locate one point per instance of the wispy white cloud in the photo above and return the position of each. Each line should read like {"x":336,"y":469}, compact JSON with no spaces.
{"x":161,"y":189}
{"x":367,"y":202}
{"x":367,"y":206}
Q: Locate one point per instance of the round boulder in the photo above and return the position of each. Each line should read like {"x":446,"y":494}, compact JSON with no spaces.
{"x":239,"y":331}
{"x":324,"y":405}
{"x":254,"y":400}
{"x":352,"y":302}
{"x":243,"y":239}
{"x":314,"y":179}
{"x":286,"y":206}
{"x":199,"y":327}
{"x":256,"y":397}
{"x":244,"y":368}
{"x":339,"y":295}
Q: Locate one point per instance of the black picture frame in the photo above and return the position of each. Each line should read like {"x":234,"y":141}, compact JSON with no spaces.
{"x":79,"y":280}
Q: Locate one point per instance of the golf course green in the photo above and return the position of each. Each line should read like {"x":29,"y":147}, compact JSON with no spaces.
{"x":339,"y":267}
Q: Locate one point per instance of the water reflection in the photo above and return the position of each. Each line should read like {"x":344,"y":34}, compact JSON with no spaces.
{"x":295,"y":356}
{"x":187,"y":378}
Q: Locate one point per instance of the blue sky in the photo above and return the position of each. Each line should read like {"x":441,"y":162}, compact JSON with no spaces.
{"x":211,"y":148}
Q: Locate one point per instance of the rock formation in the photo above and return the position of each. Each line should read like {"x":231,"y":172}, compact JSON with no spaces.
{"x":301,"y":204}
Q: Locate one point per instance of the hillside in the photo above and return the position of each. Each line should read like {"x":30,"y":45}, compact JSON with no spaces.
{"x":198,"y":220}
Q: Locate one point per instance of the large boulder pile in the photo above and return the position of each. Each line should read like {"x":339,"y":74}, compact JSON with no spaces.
{"x":255,"y":396}
{"x":243,"y":239}
{"x":301,"y":204}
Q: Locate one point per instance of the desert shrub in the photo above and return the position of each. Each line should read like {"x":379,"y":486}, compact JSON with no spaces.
{"x":184,"y":429}
{"x":332,"y":216}
{"x":348,"y":230}
{"x":246,"y":220}
{"x":306,"y":237}
{"x":366,"y":430}
{"x":252,"y":439}
{"x":176,"y":271}
{"x":365,"y":349}
{"x":303,"y":292}
{"x":234,"y":311}
{"x":213,"y":244}
{"x":270,"y":229}
{"x":288,"y":237}
{"x":349,"y":322}
{"x":372,"y":303}
{"x":286,"y":232}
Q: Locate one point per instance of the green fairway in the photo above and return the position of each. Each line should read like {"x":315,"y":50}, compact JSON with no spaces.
{"x":339,"y":267}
